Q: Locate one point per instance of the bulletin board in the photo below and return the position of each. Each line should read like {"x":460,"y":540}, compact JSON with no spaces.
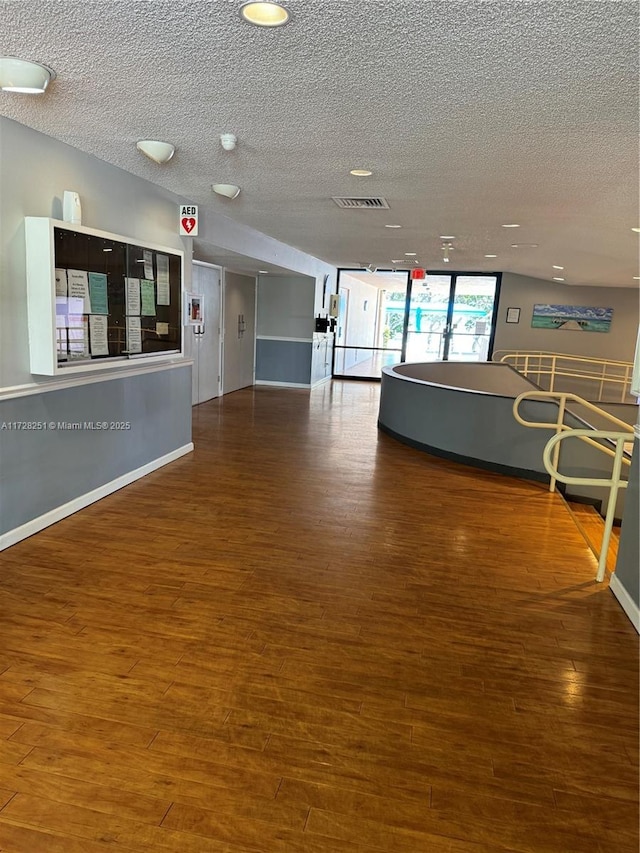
{"x":114,"y":299}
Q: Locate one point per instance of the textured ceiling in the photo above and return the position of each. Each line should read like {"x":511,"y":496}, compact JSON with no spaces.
{"x":470,"y":115}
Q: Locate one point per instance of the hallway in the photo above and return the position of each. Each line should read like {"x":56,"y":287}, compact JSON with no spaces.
{"x":307,"y":638}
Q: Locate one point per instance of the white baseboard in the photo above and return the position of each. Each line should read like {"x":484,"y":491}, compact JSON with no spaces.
{"x":281,"y":384}
{"x":57,"y":514}
{"x":321,"y":382}
{"x":626,"y":602}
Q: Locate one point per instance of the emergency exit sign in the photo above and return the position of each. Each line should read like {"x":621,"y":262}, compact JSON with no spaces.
{"x":188,"y":220}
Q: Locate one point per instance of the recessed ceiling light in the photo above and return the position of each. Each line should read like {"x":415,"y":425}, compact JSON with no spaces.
{"x":636,"y":278}
{"x":264,"y":13}
{"x":555,"y":278}
{"x":23,"y":76}
{"x":263,"y":272}
{"x":636,"y":229}
{"x":361,"y":173}
{"x":447,"y":237}
{"x":557,"y":267}
{"x":491,"y":256}
{"x":107,"y":250}
{"x":524,"y":245}
{"x":393,"y":226}
{"x":397,"y":261}
{"x":410,"y":254}
{"x":511,"y":225}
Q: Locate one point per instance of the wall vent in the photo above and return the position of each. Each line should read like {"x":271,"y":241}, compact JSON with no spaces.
{"x":361,"y":203}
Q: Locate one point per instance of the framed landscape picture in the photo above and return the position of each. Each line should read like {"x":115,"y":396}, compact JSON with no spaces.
{"x":575,"y":318}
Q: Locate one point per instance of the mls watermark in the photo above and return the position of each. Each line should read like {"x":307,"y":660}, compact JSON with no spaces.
{"x":65,"y":426}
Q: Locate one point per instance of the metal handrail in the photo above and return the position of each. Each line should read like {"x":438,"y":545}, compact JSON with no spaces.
{"x":615,"y":482}
{"x":560,"y":425}
{"x":542,"y":363}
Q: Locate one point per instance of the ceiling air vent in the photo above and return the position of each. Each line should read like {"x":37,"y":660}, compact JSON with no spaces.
{"x":362,"y":203}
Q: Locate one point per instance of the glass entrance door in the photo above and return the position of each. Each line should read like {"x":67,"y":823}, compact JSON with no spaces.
{"x":386,"y":318}
{"x":470,"y":329}
{"x":370,"y":332}
{"x":451,"y":317}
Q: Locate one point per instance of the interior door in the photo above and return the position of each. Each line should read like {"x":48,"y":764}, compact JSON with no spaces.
{"x":239,"y":331}
{"x":205,"y":338}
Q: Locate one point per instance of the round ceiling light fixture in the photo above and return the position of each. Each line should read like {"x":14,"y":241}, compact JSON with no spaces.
{"x":23,"y":76}
{"x":361,"y":173}
{"x":524,"y":245}
{"x":491,"y":256}
{"x":511,"y":225}
{"x":227,"y":190}
{"x":264,"y":13}
{"x":393,"y":226}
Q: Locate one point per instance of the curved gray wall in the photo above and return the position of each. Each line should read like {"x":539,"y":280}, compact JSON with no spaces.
{"x":477,"y":427}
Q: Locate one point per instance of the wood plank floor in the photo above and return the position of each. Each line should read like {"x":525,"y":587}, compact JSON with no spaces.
{"x":308,"y":637}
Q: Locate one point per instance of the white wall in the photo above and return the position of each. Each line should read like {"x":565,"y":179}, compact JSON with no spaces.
{"x":518,"y":291}
{"x":360,"y":329}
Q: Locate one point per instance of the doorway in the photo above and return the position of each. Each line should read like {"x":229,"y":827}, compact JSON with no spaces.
{"x":239,"y":331}
{"x":386,"y":318}
{"x":204,"y":339}
{"x":451,"y":317}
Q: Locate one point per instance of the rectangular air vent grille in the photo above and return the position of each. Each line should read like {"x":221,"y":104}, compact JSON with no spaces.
{"x":361,"y":203}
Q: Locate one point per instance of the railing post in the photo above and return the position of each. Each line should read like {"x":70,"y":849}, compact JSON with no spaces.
{"x":611,"y":509}
{"x":553,"y":373}
{"x":556,"y":449}
{"x":604,"y":370}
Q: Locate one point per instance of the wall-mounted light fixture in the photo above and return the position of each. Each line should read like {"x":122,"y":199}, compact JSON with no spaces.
{"x":154,"y":149}
{"x":23,"y":76}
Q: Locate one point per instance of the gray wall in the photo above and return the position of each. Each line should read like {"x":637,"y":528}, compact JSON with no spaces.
{"x":285,"y":306}
{"x":283,"y":361}
{"x":285,"y":311}
{"x":628,"y":564}
{"x":42,"y":470}
{"x":522,"y":292}
{"x":34,"y":172}
{"x":479,"y":428}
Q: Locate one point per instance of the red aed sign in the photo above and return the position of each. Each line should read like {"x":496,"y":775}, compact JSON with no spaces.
{"x":417,"y":274}
{"x":188,"y":220}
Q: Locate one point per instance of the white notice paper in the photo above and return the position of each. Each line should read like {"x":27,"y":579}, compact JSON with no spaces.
{"x":147,"y":255}
{"x":133,"y":296}
{"x":162,"y":328}
{"x":163,"y":294}
{"x":134,"y":335}
{"x":98,"y":334}
{"x":61,"y":282}
{"x":78,"y":333}
{"x":78,"y":281}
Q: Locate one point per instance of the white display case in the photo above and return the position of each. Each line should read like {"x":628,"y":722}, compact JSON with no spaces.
{"x":98,"y":300}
